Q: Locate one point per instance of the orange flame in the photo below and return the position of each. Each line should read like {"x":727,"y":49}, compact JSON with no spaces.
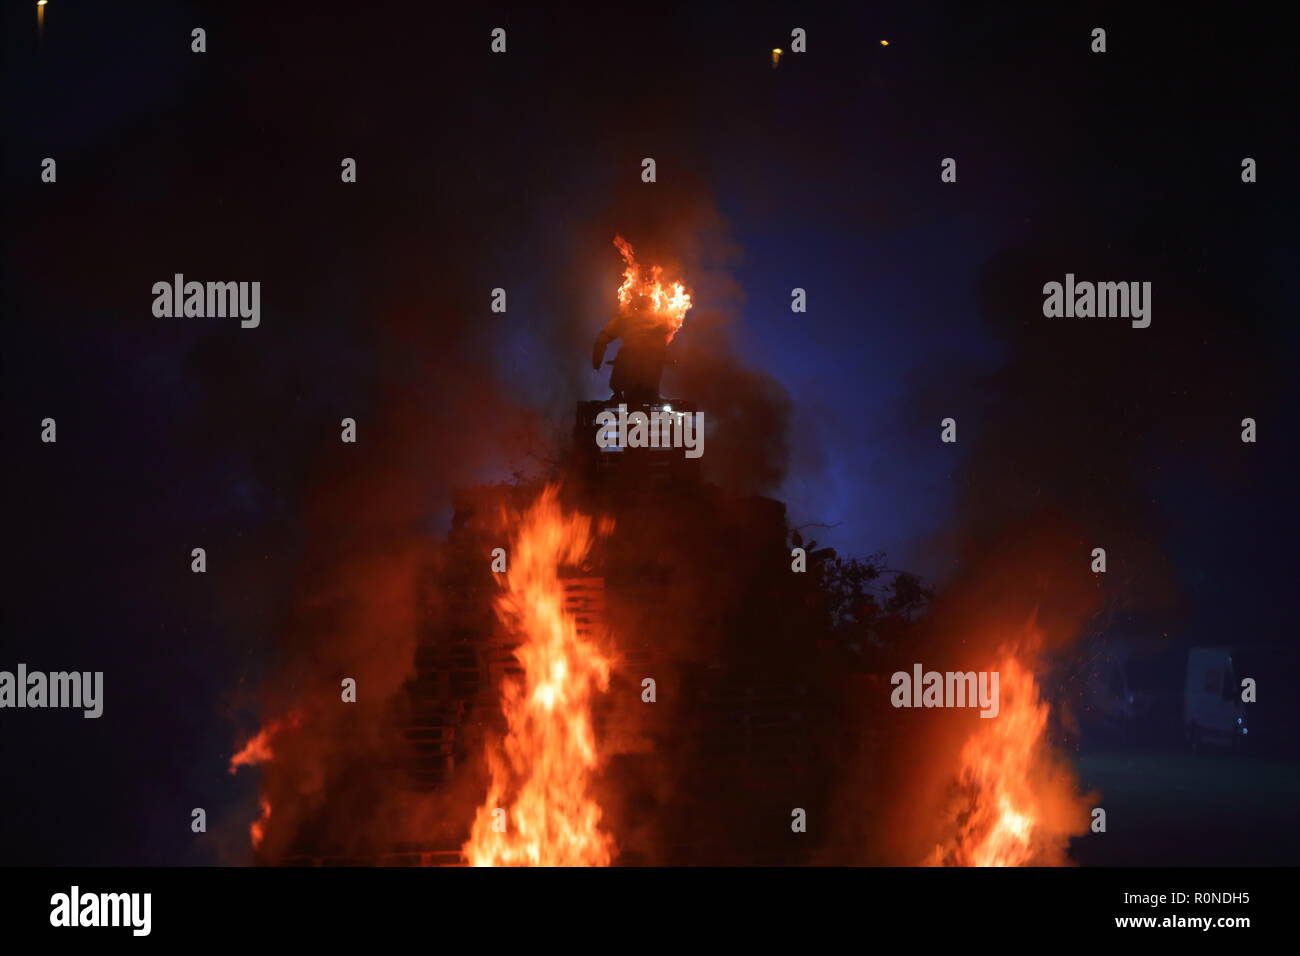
{"x":647,"y":296}
{"x":257,"y":749}
{"x":257,"y":829}
{"x":1015,"y":802}
{"x":539,"y":810}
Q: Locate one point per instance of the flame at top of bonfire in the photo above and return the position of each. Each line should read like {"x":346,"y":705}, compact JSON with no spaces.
{"x":647,"y":295}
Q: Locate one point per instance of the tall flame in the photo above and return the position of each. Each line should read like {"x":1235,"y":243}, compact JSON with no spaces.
{"x":539,"y":810}
{"x":648,"y":296}
{"x":1015,"y":801}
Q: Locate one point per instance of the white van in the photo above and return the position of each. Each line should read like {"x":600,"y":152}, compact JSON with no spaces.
{"x":1213,"y":711}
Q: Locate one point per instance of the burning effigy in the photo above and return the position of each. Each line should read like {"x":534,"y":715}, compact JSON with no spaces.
{"x":650,"y":313}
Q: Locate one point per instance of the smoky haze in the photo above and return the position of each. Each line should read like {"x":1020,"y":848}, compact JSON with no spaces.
{"x":1059,"y":451}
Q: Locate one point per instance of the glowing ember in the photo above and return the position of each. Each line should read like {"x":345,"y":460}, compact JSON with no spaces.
{"x":257,"y":829}
{"x":648,"y":297}
{"x":1015,"y":803}
{"x":541,"y":772}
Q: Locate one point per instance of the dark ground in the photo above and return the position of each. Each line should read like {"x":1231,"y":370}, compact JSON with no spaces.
{"x":1177,"y":808}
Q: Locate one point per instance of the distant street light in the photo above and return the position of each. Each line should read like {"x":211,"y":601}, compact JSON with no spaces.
{"x":40,"y":20}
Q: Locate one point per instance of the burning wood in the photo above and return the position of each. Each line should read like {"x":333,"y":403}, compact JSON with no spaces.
{"x":539,"y":809}
{"x":1014,"y":801}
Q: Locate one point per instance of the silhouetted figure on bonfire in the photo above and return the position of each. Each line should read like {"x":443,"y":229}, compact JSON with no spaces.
{"x":640,"y":362}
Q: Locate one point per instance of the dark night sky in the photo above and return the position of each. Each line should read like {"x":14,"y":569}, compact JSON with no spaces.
{"x":477,"y":172}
